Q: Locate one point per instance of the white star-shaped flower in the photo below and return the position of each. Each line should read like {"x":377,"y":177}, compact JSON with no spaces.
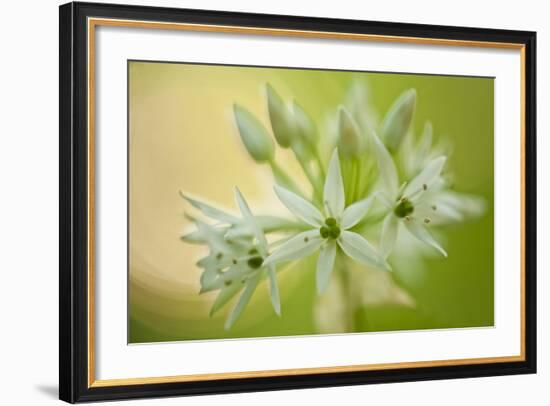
{"x":414,"y":204}
{"x":330,"y":228}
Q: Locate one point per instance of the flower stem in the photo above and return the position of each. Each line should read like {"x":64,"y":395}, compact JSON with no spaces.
{"x":319,"y":161}
{"x":347,"y":284}
{"x":312,"y":179}
{"x":282,"y":177}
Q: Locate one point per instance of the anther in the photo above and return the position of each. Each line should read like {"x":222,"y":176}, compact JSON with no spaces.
{"x":427,"y":220}
{"x":425,"y":187}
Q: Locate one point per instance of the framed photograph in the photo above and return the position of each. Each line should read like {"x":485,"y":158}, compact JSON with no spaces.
{"x":257,"y":202}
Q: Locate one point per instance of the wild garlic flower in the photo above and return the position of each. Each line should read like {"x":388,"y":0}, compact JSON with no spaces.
{"x":412,"y":205}
{"x":339,"y":208}
{"x":330,"y":228}
{"x":235,"y":262}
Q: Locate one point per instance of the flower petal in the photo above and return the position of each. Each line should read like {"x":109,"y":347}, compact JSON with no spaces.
{"x":225,"y":295}
{"x":274,"y":290}
{"x":300,"y":207}
{"x":249,"y":218}
{"x":251,"y":284}
{"x":386,"y":167}
{"x":210,"y":211}
{"x":333,"y":195}
{"x":421,"y":232}
{"x":389,"y":234}
{"x":325,"y":264}
{"x":356,"y":212}
{"x":425,"y":178}
{"x":358,"y":248}
{"x":299,"y":246}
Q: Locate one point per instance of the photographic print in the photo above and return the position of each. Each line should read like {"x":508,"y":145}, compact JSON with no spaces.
{"x":273,"y":201}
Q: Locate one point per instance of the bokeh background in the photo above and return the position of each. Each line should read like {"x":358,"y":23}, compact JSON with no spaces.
{"x":182,"y":137}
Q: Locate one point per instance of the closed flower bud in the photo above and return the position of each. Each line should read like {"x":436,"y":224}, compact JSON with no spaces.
{"x":281,"y":119}
{"x":254,"y":135}
{"x":305,"y":127}
{"x":350,"y":140}
{"x":398,"y":119}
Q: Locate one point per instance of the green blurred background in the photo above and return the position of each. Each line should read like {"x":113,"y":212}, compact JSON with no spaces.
{"x":181,"y":137}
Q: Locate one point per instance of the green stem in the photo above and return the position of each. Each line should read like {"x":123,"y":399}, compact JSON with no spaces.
{"x":312,"y":180}
{"x":349,"y":307}
{"x":319,"y":161}
{"x":281,"y":177}
{"x":353,"y":183}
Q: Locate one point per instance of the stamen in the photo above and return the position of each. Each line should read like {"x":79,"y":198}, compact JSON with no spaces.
{"x":228,"y":282}
{"x":425,"y":187}
{"x":234,"y":261}
{"x":407,"y":218}
{"x":306,"y":239}
{"x":434,"y":207}
{"x":253,"y":251}
{"x":219,"y":256}
{"x":427,"y":220}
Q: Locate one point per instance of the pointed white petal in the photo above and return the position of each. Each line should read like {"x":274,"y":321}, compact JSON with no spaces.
{"x":225,"y":295}
{"x":300,"y":207}
{"x":421,"y":232}
{"x":358,"y":248}
{"x":325,"y":264}
{"x":251,"y":284}
{"x":389,"y":234}
{"x":425,"y":178}
{"x":210,"y":211}
{"x":299,"y":246}
{"x":274,"y":290}
{"x":385,"y":200}
{"x":333,"y":195}
{"x":386,"y":167}
{"x":249,"y":218}
{"x":356,"y":212}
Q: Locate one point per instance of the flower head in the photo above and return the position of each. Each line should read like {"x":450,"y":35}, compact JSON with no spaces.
{"x":329,"y":228}
{"x":414,"y":204}
{"x":235,"y":262}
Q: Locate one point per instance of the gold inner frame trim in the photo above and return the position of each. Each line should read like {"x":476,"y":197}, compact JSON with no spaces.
{"x":94,"y":22}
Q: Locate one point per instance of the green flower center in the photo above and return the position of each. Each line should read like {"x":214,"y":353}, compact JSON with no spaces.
{"x":330,"y":229}
{"x":404,"y":208}
{"x":255,"y":262}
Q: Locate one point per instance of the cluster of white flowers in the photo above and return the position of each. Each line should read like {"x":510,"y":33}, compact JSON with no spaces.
{"x":376,"y":179}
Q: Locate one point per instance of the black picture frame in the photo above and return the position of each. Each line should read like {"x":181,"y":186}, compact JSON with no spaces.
{"x":73,"y":253}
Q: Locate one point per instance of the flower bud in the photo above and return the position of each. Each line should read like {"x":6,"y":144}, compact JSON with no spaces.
{"x":398,"y":119}
{"x":254,"y":135}
{"x":305,"y":127}
{"x":281,"y":119}
{"x":350,"y":140}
